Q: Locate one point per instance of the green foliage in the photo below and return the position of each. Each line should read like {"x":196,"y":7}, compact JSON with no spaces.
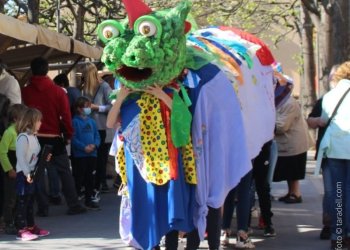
{"x":256,"y":16}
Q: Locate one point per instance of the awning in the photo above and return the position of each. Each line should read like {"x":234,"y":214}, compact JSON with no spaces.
{"x":21,"y":42}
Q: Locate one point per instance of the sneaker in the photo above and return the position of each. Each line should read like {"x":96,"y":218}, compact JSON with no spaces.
{"x":77,"y":209}
{"x":25,"y":235}
{"x":243,"y":241}
{"x":92,"y":206}
{"x":96,"y":196}
{"x":10,"y":229}
{"x":224,"y":237}
{"x":162,"y":242}
{"x":269,"y":231}
{"x":81,"y":196}
{"x":38,"y":231}
{"x":325,"y":233}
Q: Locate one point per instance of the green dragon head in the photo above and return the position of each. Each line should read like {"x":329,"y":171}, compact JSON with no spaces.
{"x":149,"y":47}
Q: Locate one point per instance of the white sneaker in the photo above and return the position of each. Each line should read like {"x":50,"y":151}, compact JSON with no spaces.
{"x":224,"y":237}
{"x":243,"y":241}
{"x":95,"y":196}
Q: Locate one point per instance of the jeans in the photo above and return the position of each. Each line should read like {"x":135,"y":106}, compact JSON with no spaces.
{"x":243,"y":204}
{"x":24,"y":215}
{"x":272,"y":160}
{"x":327,"y":197}
{"x":340,"y":199}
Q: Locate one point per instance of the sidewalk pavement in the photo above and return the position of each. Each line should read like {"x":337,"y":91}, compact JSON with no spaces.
{"x":297,"y":225}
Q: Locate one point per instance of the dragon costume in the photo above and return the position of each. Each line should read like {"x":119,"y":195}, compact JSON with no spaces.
{"x":176,"y":162}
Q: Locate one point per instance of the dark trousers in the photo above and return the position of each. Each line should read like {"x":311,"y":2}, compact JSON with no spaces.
{"x":213,"y":231}
{"x":60,"y":161}
{"x":83,"y":175}
{"x":172,"y":240}
{"x":102,"y":156}
{"x":24,"y":211}
{"x":260,"y":172}
{"x":10,"y":191}
{"x":9,"y":199}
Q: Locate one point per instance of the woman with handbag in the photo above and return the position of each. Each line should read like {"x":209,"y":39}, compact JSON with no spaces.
{"x":335,"y":147}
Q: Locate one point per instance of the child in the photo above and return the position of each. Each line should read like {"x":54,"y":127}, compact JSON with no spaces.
{"x":27,"y":150}
{"x":85,"y":141}
{"x":8,"y":162}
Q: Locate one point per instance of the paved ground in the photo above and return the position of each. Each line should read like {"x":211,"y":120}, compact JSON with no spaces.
{"x":297,"y":225}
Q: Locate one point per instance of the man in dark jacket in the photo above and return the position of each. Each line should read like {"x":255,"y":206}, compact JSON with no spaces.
{"x":51,"y":100}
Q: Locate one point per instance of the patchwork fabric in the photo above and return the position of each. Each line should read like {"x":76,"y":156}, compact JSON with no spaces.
{"x":132,"y":142}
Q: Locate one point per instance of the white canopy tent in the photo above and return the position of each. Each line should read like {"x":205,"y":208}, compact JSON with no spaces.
{"x":20,"y":42}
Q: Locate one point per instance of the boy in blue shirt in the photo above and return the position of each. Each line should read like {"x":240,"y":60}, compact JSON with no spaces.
{"x":85,"y":142}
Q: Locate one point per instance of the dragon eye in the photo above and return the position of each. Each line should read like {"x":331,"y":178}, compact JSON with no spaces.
{"x":109,"y":29}
{"x":109,"y":32}
{"x":147,"y":28}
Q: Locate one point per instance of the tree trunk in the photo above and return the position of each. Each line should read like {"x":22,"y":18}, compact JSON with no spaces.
{"x":33,"y":11}
{"x":341,"y":34}
{"x":325,"y":47}
{"x":307,"y":86}
{"x":2,"y":6}
{"x":78,"y":32}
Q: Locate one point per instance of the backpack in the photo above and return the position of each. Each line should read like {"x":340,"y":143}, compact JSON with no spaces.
{"x":4,"y":106}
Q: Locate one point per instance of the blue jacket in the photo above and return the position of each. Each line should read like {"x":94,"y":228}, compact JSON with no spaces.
{"x":85,"y":133}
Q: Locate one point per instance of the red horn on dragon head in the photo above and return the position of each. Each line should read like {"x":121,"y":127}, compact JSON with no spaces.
{"x":135,"y":9}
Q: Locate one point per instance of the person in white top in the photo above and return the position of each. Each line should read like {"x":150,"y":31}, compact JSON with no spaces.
{"x":9,"y":86}
{"x":334,"y":147}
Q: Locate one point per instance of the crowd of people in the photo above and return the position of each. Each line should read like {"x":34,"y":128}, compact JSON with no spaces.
{"x":79,"y":118}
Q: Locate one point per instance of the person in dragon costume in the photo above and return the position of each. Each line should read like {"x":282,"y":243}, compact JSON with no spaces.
{"x":191,"y":112}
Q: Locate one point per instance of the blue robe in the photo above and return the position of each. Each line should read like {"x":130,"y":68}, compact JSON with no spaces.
{"x":156,"y":210}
